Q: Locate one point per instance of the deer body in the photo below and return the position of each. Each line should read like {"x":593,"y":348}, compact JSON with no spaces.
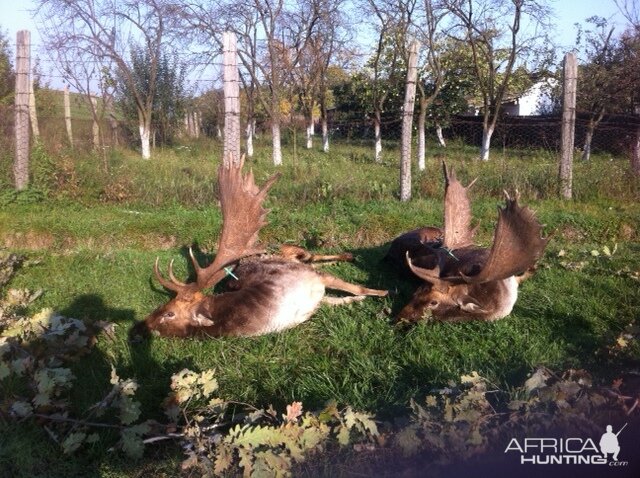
{"x":267,"y":293}
{"x":463,"y":281}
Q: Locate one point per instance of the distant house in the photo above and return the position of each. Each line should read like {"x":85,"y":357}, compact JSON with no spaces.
{"x":537,"y":100}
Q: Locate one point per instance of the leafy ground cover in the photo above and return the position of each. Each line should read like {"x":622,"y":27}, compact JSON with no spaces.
{"x":88,"y":239}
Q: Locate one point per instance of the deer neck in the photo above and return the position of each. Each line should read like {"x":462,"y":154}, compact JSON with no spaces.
{"x":499,"y":297}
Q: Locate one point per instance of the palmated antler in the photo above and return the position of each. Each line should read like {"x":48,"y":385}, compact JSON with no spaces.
{"x":243,"y":216}
{"x":457,"y":212}
{"x":517,"y":243}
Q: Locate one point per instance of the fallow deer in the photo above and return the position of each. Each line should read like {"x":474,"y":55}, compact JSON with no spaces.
{"x":463,"y":281}
{"x":268,"y":293}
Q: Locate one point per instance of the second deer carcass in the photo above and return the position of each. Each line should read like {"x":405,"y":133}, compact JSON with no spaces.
{"x":463,"y":281}
{"x":269,"y":293}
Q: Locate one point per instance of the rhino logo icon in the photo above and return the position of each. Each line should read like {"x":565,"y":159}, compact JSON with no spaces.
{"x":609,"y":442}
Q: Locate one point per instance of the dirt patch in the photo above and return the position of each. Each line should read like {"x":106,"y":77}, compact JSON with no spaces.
{"x":31,"y":240}
{"x":572,"y":234}
{"x":36,"y":241}
{"x":158,"y":241}
{"x":627,"y":232}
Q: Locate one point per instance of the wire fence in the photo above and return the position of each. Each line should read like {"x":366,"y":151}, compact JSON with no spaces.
{"x":615,"y":135}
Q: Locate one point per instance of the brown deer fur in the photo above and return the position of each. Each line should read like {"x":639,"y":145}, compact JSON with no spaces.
{"x":463,"y":281}
{"x":268,"y":293}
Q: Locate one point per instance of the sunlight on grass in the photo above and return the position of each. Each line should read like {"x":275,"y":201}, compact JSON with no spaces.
{"x":91,"y":249}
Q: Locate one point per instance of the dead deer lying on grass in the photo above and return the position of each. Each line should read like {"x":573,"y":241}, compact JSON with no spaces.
{"x":464,"y":281}
{"x":269,"y":293}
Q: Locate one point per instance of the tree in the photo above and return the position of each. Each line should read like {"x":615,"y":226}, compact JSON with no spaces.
{"x":315,"y":54}
{"x":105,"y":30}
{"x":457,"y":87}
{"x":431,"y":76}
{"x":169,"y":95}
{"x":599,"y":80}
{"x":387,"y":66}
{"x":492,"y":30}
{"x":7,"y":74}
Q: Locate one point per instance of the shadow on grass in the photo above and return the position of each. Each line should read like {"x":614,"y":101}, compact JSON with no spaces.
{"x":93,"y":374}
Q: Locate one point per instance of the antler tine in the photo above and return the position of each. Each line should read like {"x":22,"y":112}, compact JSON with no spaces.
{"x":173,"y":286}
{"x":194,"y":261}
{"x":517,"y":243}
{"x":173,"y":277}
{"x":429,"y":275}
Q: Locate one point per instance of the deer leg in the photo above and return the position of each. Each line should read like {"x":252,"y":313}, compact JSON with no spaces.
{"x":299,"y":254}
{"x":343,"y":300}
{"x":332,"y":282}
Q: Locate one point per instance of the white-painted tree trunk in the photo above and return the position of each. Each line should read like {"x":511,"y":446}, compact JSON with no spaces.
{"x":440,"y":136}
{"x":325,"y":136}
{"x":310,"y":132}
{"x":67,"y":115}
{"x":422,"y":146}
{"x":635,"y":155}
{"x":277,"y":150}
{"x":588,"y":138}
{"x":250,"y":138}
{"x":486,"y":143}
{"x":378,"y":145}
{"x":145,"y":140}
{"x":33,"y":115}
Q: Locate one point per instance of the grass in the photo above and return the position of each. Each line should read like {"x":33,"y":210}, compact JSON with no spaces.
{"x":92,"y":243}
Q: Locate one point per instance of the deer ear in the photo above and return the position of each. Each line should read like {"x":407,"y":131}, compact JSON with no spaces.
{"x":468,"y":304}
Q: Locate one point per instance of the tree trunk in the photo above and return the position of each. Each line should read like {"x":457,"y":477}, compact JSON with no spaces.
{"x":594,"y":121}
{"x":95,"y":127}
{"x":33,"y":115}
{"x":378,"y":146}
{"x":310,"y":131}
{"x":422,"y":149}
{"x":440,"y":135}
{"x":277,"y":150}
{"x":325,"y":124}
{"x":325,"y":135}
{"x":588,"y":137}
{"x":635,"y":155}
{"x":487,"y":132}
{"x":67,"y":115}
{"x":250,"y":137}
{"x":145,"y":140}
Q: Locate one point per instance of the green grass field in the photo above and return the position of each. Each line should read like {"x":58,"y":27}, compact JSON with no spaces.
{"x":91,"y":237}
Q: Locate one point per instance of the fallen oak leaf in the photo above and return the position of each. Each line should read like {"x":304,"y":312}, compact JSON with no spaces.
{"x":293,"y":412}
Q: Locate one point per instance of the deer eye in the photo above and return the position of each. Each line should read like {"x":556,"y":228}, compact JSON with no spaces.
{"x":168,"y":315}
{"x":433,"y":303}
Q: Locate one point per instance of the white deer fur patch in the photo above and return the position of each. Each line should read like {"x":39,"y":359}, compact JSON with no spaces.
{"x":300,"y":296}
{"x":201,"y":321}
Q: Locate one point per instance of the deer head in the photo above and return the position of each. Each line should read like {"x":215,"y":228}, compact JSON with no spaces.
{"x":243,"y":216}
{"x":461,"y":280}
